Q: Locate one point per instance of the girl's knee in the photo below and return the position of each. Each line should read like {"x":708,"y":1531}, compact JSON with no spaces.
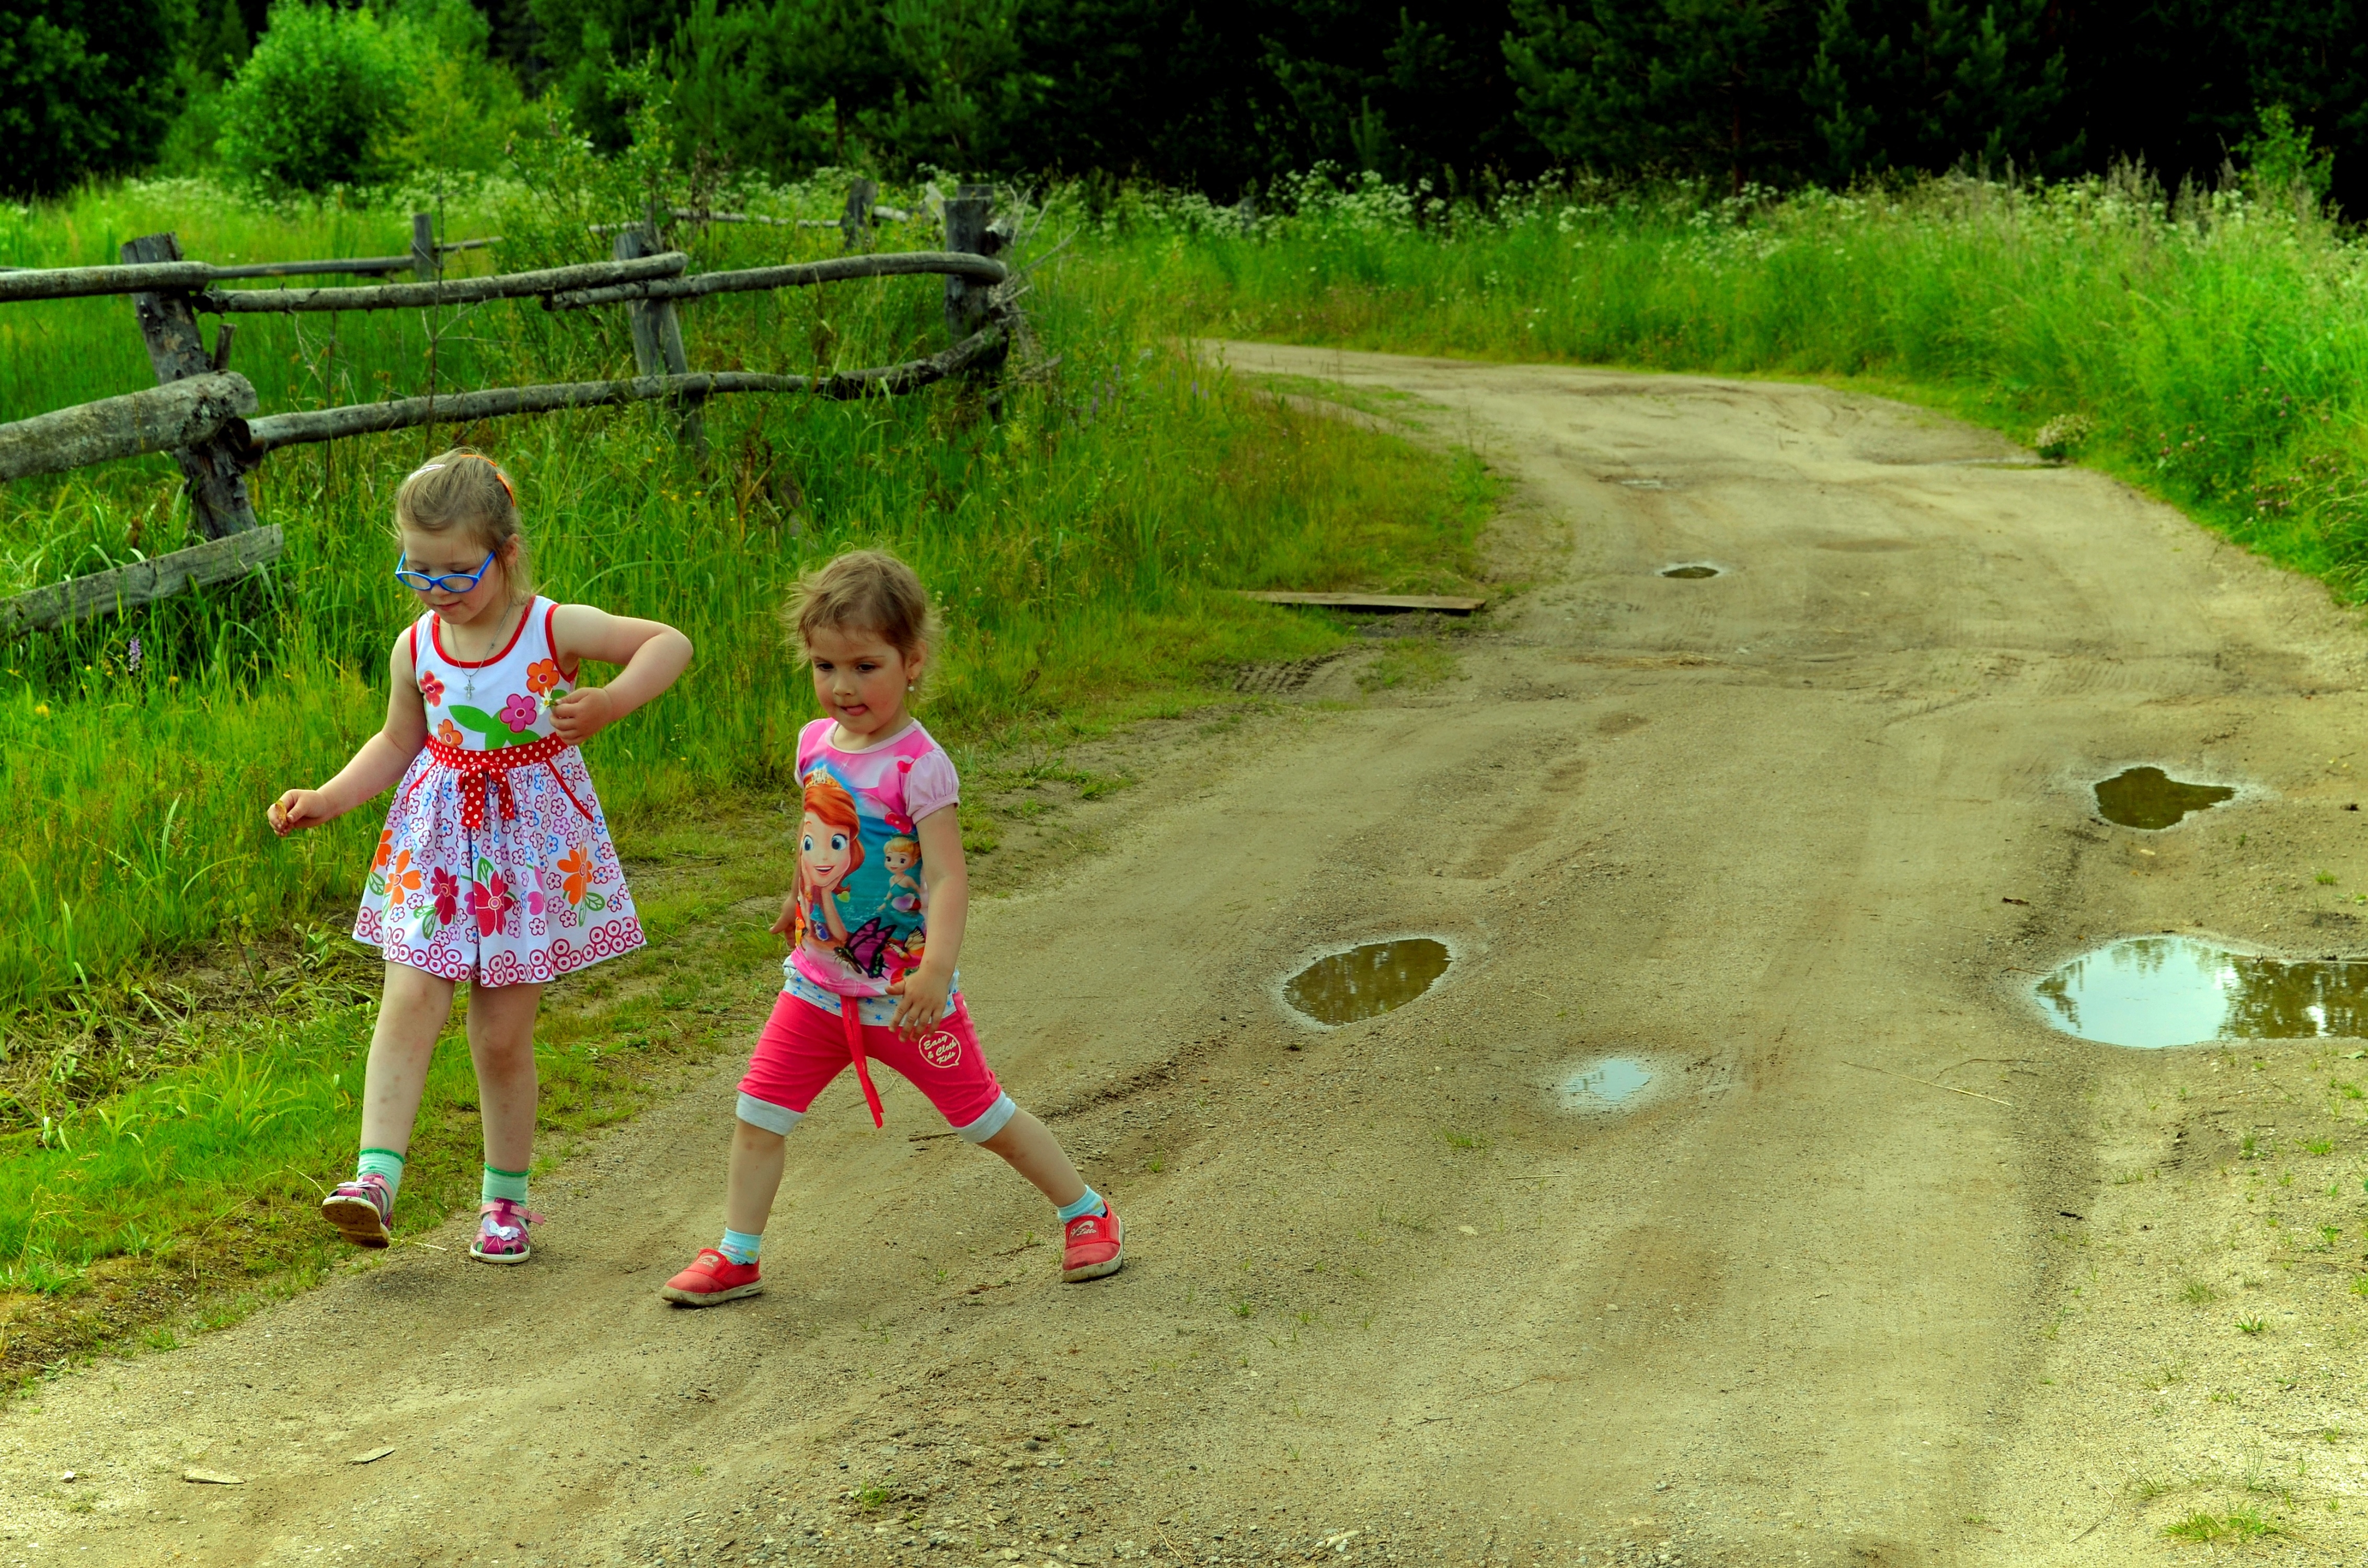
{"x":406,"y":986}
{"x":761,"y":1123}
{"x":988,"y":1130}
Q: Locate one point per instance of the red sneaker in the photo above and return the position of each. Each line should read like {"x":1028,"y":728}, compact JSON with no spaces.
{"x":712,"y":1279}
{"x":1095,"y":1245}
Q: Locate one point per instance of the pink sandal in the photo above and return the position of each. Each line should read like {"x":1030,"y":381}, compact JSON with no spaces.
{"x":501,"y":1232}
{"x":360,"y":1209}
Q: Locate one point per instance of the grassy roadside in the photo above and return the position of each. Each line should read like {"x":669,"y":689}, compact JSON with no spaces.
{"x":2211,"y":350}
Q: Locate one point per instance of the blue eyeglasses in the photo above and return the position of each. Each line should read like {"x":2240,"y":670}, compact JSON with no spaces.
{"x":454,"y":582}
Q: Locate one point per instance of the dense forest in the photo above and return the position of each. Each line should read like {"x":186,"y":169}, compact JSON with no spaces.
{"x":1217,"y":98}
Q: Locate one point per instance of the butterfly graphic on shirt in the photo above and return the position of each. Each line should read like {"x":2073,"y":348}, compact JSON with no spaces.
{"x":867,"y":946}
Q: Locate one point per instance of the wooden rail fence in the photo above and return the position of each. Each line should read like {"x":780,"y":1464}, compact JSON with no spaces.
{"x":203,"y":412}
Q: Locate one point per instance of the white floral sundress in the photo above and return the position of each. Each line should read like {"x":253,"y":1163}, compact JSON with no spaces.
{"x":496,"y":865}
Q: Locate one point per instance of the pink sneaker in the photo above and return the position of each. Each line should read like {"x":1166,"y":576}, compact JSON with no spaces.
{"x":501,"y":1232}
{"x":360,"y":1210}
{"x":1095,"y":1245}
{"x":711,"y":1279}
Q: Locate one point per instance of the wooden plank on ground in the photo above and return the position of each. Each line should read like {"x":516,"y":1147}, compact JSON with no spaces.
{"x":143,"y":581}
{"x":1444,"y":603}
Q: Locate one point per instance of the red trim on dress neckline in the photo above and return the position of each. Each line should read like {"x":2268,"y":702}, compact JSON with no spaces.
{"x":552,"y":643}
{"x":436,"y":635}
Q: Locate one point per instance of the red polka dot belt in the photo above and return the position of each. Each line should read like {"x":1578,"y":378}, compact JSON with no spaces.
{"x":481,"y":771}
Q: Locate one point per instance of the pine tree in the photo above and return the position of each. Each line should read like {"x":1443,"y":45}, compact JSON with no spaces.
{"x":1711,"y":88}
{"x":1423,"y":92}
{"x":1159,"y":89}
{"x":1931,"y":86}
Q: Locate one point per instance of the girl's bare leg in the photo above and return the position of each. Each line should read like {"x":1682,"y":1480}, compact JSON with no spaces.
{"x":1029,"y":1148}
{"x":501,"y":1044}
{"x":757,"y":1156}
{"x":410,"y":1012}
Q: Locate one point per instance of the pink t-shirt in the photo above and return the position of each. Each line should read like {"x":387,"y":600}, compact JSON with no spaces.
{"x":863,"y":905}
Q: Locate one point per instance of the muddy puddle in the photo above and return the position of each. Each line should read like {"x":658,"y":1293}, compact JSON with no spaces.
{"x":2152,"y":991}
{"x":1600,"y":1084}
{"x":1690,"y":571}
{"x":1367,"y":980}
{"x":2149,"y":798}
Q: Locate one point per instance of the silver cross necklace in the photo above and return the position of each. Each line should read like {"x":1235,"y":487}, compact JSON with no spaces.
{"x":469,"y":672}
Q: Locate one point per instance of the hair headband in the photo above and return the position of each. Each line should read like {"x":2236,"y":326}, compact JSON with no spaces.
{"x":431,"y":468}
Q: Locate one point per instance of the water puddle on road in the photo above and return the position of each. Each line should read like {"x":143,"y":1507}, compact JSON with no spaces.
{"x":2149,"y":798}
{"x":1368,"y":981}
{"x":1610,"y":1081}
{"x":2151,"y":992}
{"x":1691,"y":570}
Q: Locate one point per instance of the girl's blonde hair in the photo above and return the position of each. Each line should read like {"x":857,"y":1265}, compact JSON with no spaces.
{"x":864,"y":590}
{"x":466,"y":492}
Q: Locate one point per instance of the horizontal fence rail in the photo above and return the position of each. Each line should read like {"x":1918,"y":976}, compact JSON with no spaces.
{"x":358,"y":265}
{"x":279,"y":430}
{"x":695,"y":215}
{"x":802,"y":275}
{"x":451,"y":292}
{"x":86,"y":282}
{"x":178,"y":414}
{"x":201,"y":413}
{"x":83,"y":282}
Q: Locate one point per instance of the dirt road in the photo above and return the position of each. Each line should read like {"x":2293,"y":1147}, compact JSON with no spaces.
{"x":1793,"y":836}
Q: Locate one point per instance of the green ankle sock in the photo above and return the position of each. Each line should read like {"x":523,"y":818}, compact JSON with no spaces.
{"x":382,"y":1162}
{"x":505,"y":1184}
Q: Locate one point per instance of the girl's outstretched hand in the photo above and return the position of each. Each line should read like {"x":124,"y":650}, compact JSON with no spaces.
{"x":297,"y":809}
{"x":922,"y":1002}
{"x":583,"y":713}
{"x":787,"y":924}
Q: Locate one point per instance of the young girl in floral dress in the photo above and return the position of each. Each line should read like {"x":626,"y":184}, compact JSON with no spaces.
{"x":496,"y":865}
{"x":862,"y":980}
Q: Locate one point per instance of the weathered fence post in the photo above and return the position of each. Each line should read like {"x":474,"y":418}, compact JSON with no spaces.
{"x":424,"y":264}
{"x":216,"y":480}
{"x":855,"y":223}
{"x":657,"y":340}
{"x":967,"y":211}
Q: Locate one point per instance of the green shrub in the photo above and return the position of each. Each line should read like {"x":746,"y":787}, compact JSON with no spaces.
{"x":315,"y":105}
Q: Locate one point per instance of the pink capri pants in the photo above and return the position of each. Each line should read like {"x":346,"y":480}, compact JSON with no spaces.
{"x":803,"y":1047}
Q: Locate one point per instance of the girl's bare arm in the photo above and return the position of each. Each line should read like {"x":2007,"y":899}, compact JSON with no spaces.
{"x":376,"y":768}
{"x":651,"y":652}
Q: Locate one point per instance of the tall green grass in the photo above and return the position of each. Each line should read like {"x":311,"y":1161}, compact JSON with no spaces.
{"x":2214,"y":347}
{"x":1078,"y":543}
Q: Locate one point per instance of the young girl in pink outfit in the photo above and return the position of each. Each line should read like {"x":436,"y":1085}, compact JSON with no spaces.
{"x":871,"y":966}
{"x":496,"y":865}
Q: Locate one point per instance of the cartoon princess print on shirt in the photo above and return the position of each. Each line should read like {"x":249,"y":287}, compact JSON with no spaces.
{"x":859,"y":877}
{"x":830,"y":850}
{"x":906,"y":896}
